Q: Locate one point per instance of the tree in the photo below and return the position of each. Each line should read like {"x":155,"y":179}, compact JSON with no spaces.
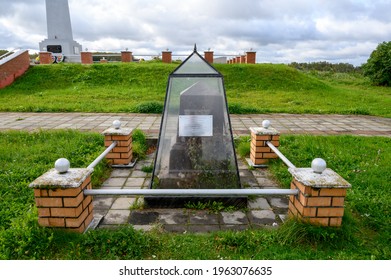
{"x":378,"y":66}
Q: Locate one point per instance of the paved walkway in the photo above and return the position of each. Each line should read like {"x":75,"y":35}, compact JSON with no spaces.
{"x":112,"y":211}
{"x":115,"y":211}
{"x":150,"y":123}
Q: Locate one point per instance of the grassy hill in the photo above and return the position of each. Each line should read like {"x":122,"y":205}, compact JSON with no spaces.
{"x":140,"y":87}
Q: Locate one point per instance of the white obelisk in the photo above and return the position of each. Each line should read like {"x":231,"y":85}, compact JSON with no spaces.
{"x":60,"y":38}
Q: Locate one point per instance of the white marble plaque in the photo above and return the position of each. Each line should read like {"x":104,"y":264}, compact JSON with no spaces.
{"x":195,"y":125}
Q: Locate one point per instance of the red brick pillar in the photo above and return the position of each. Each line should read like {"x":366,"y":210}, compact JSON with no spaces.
{"x":122,"y":154}
{"x":86,"y":58}
{"x":167,"y":56}
{"x":60,"y":199}
{"x":260,"y":153}
{"x":126,"y":56}
{"x":243,"y":59}
{"x":321,"y":195}
{"x":250,"y":57}
{"x":208,"y":55}
{"x":238,"y":59}
{"x":45,"y":58}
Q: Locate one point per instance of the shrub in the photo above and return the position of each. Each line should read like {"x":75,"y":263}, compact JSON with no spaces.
{"x":378,"y":66}
{"x":150,"y":107}
{"x":236,"y":108}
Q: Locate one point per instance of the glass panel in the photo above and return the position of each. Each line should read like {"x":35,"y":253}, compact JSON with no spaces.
{"x":195,"y":146}
{"x":195,"y":65}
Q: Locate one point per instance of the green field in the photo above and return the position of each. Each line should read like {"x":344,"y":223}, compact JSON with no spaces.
{"x":365,"y":232}
{"x":140,"y":87}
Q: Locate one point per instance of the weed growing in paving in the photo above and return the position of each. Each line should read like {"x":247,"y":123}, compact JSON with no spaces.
{"x":139,"y":144}
{"x":210,"y":206}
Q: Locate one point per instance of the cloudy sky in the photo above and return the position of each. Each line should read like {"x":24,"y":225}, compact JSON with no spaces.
{"x":280,"y":31}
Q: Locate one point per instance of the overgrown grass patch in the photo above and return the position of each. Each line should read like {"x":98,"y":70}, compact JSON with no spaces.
{"x":23,"y":158}
{"x":362,"y":161}
{"x":365,"y":232}
{"x":139,"y":144}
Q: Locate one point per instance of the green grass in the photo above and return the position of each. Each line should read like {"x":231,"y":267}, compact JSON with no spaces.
{"x":363,"y":162}
{"x":365,"y":233}
{"x":260,"y":88}
{"x":139,"y":144}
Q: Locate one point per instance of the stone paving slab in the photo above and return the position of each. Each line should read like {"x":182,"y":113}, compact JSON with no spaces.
{"x":120,"y":210}
{"x":285,"y":123}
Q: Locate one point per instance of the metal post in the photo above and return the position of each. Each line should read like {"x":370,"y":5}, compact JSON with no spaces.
{"x":280,"y":155}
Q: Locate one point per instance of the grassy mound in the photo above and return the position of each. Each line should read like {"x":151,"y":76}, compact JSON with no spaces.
{"x":141,"y":87}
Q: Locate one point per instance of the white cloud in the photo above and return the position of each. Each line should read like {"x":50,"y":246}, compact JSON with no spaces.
{"x":279,"y":30}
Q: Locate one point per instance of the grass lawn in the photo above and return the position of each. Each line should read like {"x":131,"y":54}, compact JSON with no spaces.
{"x":365,"y":234}
{"x":140,"y":87}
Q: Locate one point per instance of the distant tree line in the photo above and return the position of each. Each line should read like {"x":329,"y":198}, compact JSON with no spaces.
{"x":325,"y":66}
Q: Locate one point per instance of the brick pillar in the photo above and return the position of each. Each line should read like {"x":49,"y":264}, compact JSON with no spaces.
{"x":86,"y":58}
{"x":243,"y":59}
{"x":260,"y":153}
{"x":122,"y":154}
{"x":60,"y":199}
{"x":166,"y":56}
{"x":250,"y":57}
{"x":126,"y":56}
{"x":321,"y":196}
{"x":238,"y":59}
{"x":208,"y":55}
{"x":45,"y":58}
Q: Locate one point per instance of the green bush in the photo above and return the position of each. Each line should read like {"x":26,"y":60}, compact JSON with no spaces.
{"x":236,"y":108}
{"x":150,"y":107}
{"x":378,"y":66}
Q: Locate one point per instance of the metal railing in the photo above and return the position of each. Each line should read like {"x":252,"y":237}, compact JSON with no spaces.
{"x":102,"y":155}
{"x":280,"y":155}
{"x":191,"y":192}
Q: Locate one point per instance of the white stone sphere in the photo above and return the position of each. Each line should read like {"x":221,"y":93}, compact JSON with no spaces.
{"x":62,"y":165}
{"x":266,"y":124}
{"x":318,"y":165}
{"x":117,"y":124}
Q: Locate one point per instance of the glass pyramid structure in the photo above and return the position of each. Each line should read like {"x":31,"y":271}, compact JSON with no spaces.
{"x":195,"y":147}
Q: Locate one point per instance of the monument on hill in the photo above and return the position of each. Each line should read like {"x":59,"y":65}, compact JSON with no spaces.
{"x":60,"y":39}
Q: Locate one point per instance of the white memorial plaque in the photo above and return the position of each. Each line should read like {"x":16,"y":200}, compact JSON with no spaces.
{"x":195,"y":125}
